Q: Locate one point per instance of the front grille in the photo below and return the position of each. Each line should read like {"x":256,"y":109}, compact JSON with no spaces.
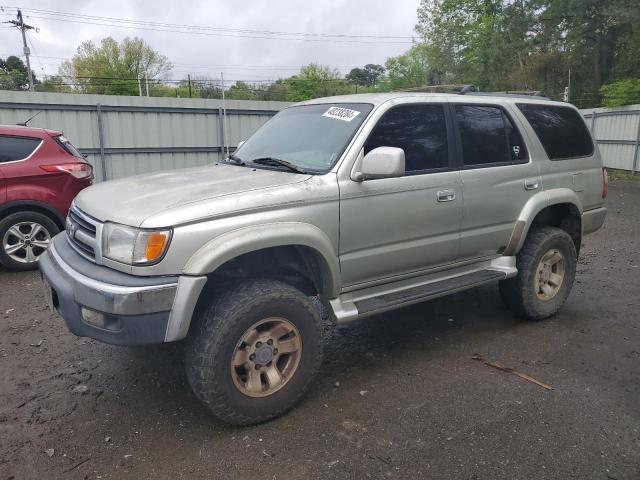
{"x":82,"y":233}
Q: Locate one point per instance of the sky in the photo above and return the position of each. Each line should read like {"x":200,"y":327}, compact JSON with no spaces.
{"x":339,"y":33}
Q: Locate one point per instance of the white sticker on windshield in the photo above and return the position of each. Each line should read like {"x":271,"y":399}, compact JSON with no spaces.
{"x":341,"y":113}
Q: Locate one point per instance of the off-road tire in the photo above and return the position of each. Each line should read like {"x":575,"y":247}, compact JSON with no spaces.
{"x":519,"y":292}
{"x":220,"y":324}
{"x":15,"y":218}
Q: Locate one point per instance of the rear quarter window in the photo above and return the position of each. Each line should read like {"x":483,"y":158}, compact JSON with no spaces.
{"x":16,"y":148}
{"x":561,"y":130}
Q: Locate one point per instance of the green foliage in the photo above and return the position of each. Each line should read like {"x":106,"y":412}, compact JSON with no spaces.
{"x":14,"y":74}
{"x":93,"y":68}
{"x":623,"y":92}
{"x":408,"y":70}
{"x":367,"y":76}
{"x":532,"y":44}
{"x":315,"y":81}
{"x":241,"y":91}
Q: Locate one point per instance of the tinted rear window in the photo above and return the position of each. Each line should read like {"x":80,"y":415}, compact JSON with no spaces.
{"x":488,"y":136}
{"x":16,"y":148}
{"x":561,"y":130}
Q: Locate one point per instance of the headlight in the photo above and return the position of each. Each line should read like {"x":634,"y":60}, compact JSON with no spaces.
{"x":133,"y":246}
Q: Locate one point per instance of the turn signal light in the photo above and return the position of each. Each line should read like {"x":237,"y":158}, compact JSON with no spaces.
{"x":76,"y":169}
{"x":155,"y":246}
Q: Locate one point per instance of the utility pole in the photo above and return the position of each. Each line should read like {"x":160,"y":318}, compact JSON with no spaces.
{"x":139,"y":86}
{"x":189,"y":81}
{"x":146,"y":82}
{"x":23,"y":28}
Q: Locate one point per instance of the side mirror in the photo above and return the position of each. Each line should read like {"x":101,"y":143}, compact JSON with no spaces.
{"x":381,"y":162}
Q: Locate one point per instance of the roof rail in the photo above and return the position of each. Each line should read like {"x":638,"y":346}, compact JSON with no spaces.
{"x":537,"y":94}
{"x":463,"y":89}
{"x":450,"y":88}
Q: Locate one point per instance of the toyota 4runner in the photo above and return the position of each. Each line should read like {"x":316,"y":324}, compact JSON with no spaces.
{"x":368,"y":202}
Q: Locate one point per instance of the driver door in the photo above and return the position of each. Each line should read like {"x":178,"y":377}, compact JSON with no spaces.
{"x":395,"y":226}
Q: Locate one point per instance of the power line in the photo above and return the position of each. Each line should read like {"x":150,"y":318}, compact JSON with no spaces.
{"x":194,"y":30}
{"x":210,"y":28}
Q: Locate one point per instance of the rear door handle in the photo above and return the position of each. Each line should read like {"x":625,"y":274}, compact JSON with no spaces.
{"x":531,"y":184}
{"x":445,"y":195}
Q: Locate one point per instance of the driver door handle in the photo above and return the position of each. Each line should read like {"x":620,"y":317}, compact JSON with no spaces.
{"x":446,"y":195}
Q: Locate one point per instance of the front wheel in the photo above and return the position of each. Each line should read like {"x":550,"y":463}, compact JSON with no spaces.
{"x":24,"y":236}
{"x":254,"y":351}
{"x":546,"y":271}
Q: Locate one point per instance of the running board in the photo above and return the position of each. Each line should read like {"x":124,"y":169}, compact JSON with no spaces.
{"x":347,"y":311}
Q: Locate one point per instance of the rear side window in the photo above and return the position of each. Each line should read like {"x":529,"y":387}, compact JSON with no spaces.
{"x":68,"y":146}
{"x":488,"y":136}
{"x":420,"y":130}
{"x":16,"y":148}
{"x":561,"y":130}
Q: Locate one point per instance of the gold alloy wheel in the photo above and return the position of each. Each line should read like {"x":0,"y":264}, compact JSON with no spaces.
{"x":266,"y":357}
{"x":549,"y":275}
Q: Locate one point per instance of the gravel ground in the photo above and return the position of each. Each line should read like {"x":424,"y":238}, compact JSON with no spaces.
{"x":398,"y":396}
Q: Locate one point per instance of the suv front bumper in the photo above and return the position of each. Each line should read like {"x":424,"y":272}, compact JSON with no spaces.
{"x":115,"y":307}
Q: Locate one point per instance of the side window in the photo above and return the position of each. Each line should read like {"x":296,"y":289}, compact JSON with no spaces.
{"x":16,"y":148}
{"x":561,"y":130}
{"x":488,"y":136}
{"x":420,"y":130}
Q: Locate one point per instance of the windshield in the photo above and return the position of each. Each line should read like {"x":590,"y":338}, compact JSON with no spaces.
{"x":311,"y":137}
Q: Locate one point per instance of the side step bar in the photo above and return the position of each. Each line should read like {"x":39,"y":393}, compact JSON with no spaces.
{"x":390,"y":301}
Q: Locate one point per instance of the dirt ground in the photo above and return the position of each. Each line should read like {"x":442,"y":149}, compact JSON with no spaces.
{"x":399,"y":396}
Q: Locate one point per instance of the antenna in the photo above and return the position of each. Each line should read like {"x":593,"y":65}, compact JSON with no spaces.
{"x":24,"y":124}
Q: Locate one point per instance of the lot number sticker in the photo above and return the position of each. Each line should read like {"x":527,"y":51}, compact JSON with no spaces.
{"x":340,"y":113}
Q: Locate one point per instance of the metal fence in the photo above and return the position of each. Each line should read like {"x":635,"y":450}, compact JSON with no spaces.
{"x":617,"y":131}
{"x":124,"y":136}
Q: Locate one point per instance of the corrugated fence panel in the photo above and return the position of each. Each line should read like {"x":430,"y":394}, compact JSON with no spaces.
{"x":132,"y":135}
{"x":617,"y":131}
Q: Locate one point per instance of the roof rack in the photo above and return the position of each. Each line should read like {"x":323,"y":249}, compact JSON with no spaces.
{"x":514,"y":94}
{"x":451,"y":88}
{"x":463,"y":89}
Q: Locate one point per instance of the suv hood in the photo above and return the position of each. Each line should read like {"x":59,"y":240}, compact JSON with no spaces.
{"x":131,"y":200}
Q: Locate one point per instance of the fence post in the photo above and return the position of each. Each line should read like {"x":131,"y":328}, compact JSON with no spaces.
{"x":636,"y":153}
{"x":103,"y":163}
{"x":221,"y":133}
{"x":593,"y":122}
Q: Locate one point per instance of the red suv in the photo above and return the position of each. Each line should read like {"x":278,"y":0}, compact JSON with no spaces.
{"x":41,"y":172}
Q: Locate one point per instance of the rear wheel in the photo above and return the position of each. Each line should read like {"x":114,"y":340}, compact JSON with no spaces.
{"x":546,"y":271}
{"x":24,"y":236}
{"x":254,"y":351}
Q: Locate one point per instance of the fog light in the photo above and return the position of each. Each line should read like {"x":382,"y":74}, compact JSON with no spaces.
{"x":92,"y":317}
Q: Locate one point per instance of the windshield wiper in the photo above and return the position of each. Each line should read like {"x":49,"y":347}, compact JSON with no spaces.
{"x":278,"y":162}
{"x":236,"y":160}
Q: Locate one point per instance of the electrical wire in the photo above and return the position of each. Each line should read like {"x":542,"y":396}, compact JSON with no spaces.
{"x":194,"y":30}
{"x":210,"y":28}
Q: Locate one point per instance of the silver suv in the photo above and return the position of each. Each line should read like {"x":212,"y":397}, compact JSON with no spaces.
{"x":366,"y":202}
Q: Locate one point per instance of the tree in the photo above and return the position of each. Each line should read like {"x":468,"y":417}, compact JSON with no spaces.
{"x":623,"y":92}
{"x":114,"y":68}
{"x":242,"y":91}
{"x":315,"y":81}
{"x":14,"y":74}
{"x":367,"y":76}
{"x":408,"y":70}
{"x":54,"y":83}
{"x":532,"y":44}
